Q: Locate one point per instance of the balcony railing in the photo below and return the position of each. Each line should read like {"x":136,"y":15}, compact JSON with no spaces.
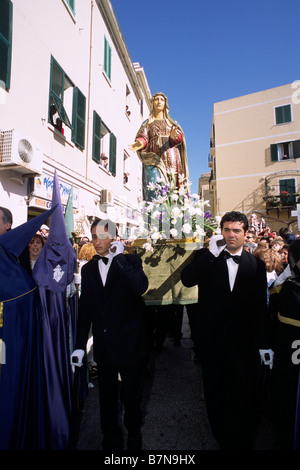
{"x":281,"y":202}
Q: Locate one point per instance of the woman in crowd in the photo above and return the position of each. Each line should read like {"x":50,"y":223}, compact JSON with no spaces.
{"x":32,"y":251}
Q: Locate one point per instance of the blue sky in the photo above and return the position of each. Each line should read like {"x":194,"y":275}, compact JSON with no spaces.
{"x":199,"y":52}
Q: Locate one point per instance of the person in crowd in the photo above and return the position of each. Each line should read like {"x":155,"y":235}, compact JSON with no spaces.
{"x":287,"y":236}
{"x":112,"y":284}
{"x":284,"y":255}
{"x":285,"y":311}
{"x":31,"y":253}
{"x":250,"y":241}
{"x":82,"y":242}
{"x":6,"y":220}
{"x":86,"y":253}
{"x":276,"y":244}
{"x":232,"y":331}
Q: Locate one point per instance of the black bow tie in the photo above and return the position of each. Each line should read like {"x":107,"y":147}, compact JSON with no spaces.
{"x":235,"y":258}
{"x":103,"y":258}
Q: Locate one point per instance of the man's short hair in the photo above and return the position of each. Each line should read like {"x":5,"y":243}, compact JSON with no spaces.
{"x":108,"y":225}
{"x":235,"y":216}
{"x":7,"y":215}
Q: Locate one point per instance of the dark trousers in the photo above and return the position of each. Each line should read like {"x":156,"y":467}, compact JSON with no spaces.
{"x":111,"y":392}
{"x":229,"y":386}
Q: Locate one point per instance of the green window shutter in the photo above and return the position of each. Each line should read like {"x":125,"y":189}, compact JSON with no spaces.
{"x":57,"y":83}
{"x":107,"y":58}
{"x":96,"y":137}
{"x":71,"y":4}
{"x":6,"y":14}
{"x":112,"y":154}
{"x":78,"y":118}
{"x":296,"y":149}
{"x":274,"y":153}
{"x":289,"y":186}
{"x":283,"y":114}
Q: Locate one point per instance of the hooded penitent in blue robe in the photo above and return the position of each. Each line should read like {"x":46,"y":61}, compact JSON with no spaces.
{"x":21,"y":369}
{"x":53,"y":272}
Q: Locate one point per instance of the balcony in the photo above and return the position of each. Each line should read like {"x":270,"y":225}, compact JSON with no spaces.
{"x":281,"y":202}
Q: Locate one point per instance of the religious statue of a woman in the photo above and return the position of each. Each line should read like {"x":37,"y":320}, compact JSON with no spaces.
{"x":160,"y":145}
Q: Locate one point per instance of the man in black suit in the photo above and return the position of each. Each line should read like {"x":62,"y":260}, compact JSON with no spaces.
{"x":230,"y":325}
{"x":111,"y":300}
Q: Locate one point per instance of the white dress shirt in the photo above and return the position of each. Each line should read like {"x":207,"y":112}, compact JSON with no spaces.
{"x":232,"y":267}
{"x":104,"y":268}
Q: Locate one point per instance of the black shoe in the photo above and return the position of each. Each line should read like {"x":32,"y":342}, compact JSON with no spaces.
{"x":134,"y":441}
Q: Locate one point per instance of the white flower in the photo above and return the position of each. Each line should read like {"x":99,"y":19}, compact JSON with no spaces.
{"x":176,"y":212}
{"x":174,"y":197}
{"x":151,"y":186}
{"x":148,"y":247}
{"x":195,"y":196}
{"x":182,"y":191}
{"x":186,"y":228}
{"x":155,"y":214}
{"x":173,"y":232}
{"x":155,"y":235}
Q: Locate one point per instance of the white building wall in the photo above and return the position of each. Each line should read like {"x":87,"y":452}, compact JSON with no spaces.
{"x":42,"y":29}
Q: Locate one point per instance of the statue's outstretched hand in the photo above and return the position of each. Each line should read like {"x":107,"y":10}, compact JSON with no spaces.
{"x":136,"y":146}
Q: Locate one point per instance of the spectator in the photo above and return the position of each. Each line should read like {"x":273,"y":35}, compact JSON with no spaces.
{"x":287,"y":236}
{"x":285,"y":309}
{"x":250,"y":241}
{"x":6,"y":220}
{"x":284,"y":255}
{"x":32,"y":252}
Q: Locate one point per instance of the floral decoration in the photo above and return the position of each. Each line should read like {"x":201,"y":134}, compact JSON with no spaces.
{"x":174,"y":213}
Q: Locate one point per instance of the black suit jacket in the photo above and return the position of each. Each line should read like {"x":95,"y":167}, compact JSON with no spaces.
{"x":116,"y":310}
{"x":239,"y":316}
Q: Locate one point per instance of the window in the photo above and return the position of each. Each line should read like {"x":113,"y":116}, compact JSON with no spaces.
{"x":96,"y":137}
{"x":126,"y":173}
{"x":71,"y":4}
{"x":104,"y":145}
{"x":6,"y":12}
{"x":283,"y":114}
{"x":60,"y":89}
{"x":285,"y":150}
{"x":78,"y":118}
{"x":107,"y":59}
{"x":287,"y":188}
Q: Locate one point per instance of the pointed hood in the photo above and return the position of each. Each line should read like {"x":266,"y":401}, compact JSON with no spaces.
{"x":56,"y":265}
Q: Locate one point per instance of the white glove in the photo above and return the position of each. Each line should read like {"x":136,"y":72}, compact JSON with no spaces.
{"x":214,"y":247}
{"x":116,"y":248}
{"x":77,"y":278}
{"x":283,"y":276}
{"x":267,"y":356}
{"x":76,"y":358}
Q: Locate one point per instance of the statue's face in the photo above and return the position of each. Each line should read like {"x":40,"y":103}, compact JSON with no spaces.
{"x":159,"y":103}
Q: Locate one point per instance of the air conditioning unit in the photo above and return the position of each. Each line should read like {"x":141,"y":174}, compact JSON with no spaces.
{"x":107,"y":197}
{"x":20,"y":153}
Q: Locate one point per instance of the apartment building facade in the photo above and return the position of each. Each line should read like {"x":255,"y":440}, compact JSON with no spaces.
{"x":71,"y":100}
{"x":255,"y":155}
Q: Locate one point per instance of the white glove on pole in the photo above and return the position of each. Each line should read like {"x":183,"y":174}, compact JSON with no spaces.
{"x":77,"y":278}
{"x":267,"y":356}
{"x":76,"y":358}
{"x":116,"y":248}
{"x":214,"y":247}
{"x":283,"y":276}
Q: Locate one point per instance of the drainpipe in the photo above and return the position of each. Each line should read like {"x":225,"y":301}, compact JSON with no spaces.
{"x":89,"y":92}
